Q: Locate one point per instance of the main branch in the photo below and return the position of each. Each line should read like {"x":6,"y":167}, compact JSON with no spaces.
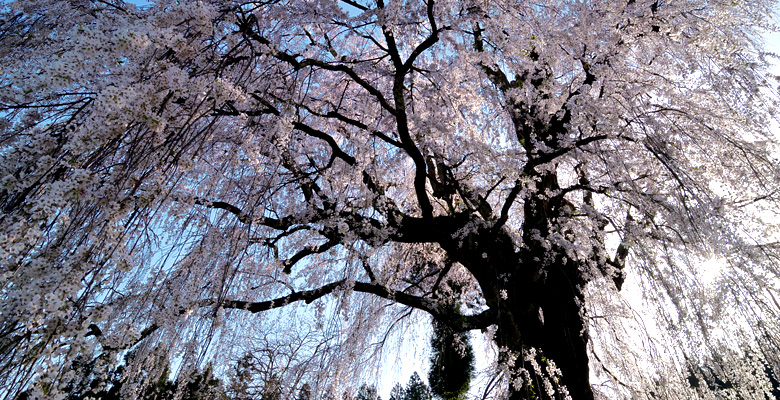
{"x":455,"y":321}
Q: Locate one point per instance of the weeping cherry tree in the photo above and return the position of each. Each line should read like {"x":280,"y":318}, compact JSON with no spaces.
{"x":177,"y":175}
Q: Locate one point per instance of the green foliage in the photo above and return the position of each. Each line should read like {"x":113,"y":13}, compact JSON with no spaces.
{"x":452,"y":357}
{"x":416,"y":389}
{"x":367,"y":393}
{"x":452,"y":363}
{"x":397,"y":393}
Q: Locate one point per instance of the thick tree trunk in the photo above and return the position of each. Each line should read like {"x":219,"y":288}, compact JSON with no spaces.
{"x":546,"y":316}
{"x":544,"y":308}
{"x":537,"y":294}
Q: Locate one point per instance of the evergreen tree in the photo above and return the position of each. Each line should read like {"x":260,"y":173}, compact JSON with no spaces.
{"x":397,"y":393}
{"x":416,"y":389}
{"x":452,"y":357}
{"x":452,"y":363}
{"x":367,"y":392}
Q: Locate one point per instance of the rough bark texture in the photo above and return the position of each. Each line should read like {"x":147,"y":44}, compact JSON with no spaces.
{"x":543,"y":305}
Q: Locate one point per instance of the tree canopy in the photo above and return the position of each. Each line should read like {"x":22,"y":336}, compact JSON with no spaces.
{"x":193,"y":173}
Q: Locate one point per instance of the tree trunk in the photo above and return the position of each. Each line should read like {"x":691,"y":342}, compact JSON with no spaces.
{"x":546,"y":316}
{"x":538,"y":297}
{"x":544,"y":308}
{"x":536,"y":291}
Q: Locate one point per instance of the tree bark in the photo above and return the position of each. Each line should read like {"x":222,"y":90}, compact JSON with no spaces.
{"x":544,"y":313}
{"x":537,"y":298}
{"x":544,"y":309}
